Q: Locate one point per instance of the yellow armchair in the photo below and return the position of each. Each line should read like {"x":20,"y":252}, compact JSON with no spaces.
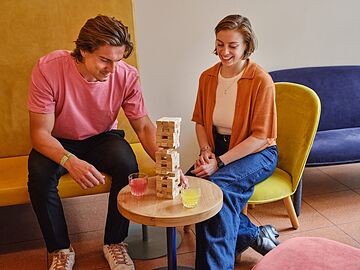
{"x":298,"y":108}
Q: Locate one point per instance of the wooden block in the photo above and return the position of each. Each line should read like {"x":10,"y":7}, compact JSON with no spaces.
{"x":168,"y":186}
{"x":166,"y":132}
{"x":167,"y":159}
{"x":169,"y":175}
{"x":164,"y":170}
{"x":168,"y":145}
{"x":168,"y":125}
{"x":171,"y":121}
{"x":164,"y":151}
{"x":172,"y":141}
{"x":172,"y":195}
{"x":173,"y":137}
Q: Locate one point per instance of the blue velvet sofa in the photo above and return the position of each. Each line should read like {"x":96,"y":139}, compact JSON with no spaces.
{"x":338,"y":138}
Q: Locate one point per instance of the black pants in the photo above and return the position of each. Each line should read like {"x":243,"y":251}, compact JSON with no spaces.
{"x":109,"y":153}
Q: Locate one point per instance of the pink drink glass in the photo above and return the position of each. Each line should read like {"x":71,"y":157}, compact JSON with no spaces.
{"x":138,"y":183}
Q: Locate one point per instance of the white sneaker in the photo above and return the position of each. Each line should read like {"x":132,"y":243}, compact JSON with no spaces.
{"x":63,"y":259}
{"x":118,"y":257}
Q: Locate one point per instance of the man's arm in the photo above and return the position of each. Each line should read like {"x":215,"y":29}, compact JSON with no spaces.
{"x":83,"y":173}
{"x":146,"y":132}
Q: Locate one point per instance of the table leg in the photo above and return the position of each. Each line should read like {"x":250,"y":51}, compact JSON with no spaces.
{"x":171,"y":249}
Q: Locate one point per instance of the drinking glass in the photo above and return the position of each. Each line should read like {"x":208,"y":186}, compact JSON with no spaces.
{"x":190,"y":197}
{"x":138,"y":183}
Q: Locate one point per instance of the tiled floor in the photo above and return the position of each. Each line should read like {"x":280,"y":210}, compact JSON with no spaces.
{"x":331,"y":209}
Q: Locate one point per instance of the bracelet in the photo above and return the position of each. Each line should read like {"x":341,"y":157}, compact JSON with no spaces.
{"x":65,"y":158}
{"x":205,"y":148}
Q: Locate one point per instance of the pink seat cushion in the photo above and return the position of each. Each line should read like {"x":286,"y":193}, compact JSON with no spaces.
{"x":310,"y":253}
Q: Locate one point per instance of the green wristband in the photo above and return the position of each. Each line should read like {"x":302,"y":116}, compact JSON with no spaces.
{"x":65,"y":158}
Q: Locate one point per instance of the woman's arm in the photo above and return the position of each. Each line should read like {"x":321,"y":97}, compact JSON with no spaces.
{"x":206,"y":164}
{"x":248,"y":146}
{"x":205,"y":149}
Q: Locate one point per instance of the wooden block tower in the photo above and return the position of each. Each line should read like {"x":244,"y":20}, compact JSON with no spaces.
{"x":168,"y":159}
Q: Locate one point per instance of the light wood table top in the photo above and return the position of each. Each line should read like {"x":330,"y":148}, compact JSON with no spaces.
{"x":151,"y":210}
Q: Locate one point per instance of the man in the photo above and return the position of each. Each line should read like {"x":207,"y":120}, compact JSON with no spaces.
{"x":74,"y":100}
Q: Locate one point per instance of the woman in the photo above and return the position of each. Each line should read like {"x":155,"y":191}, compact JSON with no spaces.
{"x":235,"y":117}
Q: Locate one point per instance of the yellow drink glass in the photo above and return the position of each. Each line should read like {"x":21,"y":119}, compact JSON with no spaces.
{"x":190,"y":197}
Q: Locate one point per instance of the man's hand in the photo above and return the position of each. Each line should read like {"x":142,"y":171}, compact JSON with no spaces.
{"x":184,"y":180}
{"x":85,"y":174}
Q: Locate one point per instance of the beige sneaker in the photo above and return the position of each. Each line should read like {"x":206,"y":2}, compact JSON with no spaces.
{"x":63,"y":259}
{"x":118,"y":257}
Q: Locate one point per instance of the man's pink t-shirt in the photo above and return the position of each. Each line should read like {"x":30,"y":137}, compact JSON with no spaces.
{"x":83,"y":109}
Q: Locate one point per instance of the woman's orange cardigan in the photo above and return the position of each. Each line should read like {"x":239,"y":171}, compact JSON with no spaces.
{"x":255,"y":110}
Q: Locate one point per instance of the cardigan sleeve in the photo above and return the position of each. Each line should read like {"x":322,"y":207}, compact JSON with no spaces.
{"x":264,"y":123}
{"x":198,"y":116}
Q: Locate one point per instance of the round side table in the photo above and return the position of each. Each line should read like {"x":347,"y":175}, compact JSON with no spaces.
{"x":170,"y":213}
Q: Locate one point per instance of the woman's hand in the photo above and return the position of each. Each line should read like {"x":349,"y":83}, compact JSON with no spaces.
{"x":206,"y":169}
{"x":204,"y":157}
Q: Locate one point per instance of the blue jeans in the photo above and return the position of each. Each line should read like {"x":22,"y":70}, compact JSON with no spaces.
{"x":109,"y":152}
{"x":230,"y":230}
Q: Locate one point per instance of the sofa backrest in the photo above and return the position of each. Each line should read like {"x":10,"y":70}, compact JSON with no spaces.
{"x":338,"y":88}
{"x":32,"y":29}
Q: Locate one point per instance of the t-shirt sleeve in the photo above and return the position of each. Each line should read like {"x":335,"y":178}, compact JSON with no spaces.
{"x":40,"y":94}
{"x":133,"y":104}
{"x":264,"y":123}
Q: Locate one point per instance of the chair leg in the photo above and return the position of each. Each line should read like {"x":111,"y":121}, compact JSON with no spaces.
{"x":187,"y":228}
{"x":245,"y":209}
{"x":297,"y":198}
{"x":291,"y":212}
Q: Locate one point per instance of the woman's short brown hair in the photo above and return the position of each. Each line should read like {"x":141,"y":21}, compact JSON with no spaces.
{"x":99,"y":31}
{"x":243,"y":25}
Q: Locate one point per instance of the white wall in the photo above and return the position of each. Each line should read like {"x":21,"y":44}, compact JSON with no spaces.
{"x":175,"y":40}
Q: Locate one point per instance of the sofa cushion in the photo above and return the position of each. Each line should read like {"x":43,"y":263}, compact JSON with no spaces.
{"x":14,"y":175}
{"x":338,"y":88}
{"x":338,"y":146}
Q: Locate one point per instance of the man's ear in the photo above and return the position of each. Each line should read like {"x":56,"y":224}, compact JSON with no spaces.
{"x":83,"y":53}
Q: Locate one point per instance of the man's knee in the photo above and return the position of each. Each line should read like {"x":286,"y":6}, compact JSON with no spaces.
{"x":121,"y":157}
{"x":125,"y":165}
{"x":42,"y":173}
